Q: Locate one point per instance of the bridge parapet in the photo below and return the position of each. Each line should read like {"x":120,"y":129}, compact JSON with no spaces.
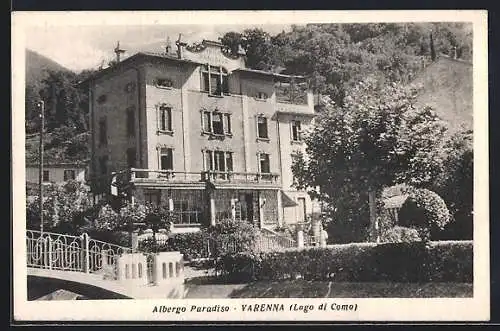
{"x":57,"y":251}
{"x":112,"y":267}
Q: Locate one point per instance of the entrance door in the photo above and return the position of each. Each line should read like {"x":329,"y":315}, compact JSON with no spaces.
{"x":301,"y":210}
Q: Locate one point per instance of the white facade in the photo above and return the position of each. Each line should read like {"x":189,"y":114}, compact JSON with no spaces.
{"x":56,"y":174}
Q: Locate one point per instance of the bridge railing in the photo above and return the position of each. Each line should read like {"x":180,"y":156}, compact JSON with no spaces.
{"x":72,"y":253}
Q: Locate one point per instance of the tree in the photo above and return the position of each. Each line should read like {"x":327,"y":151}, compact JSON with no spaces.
{"x":377,"y":138}
{"x":456,"y":186}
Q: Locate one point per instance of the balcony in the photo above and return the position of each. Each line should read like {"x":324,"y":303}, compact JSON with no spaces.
{"x":147,"y":177}
{"x":240,"y":177}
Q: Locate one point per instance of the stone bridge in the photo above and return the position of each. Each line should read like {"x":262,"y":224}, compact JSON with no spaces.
{"x":94,"y":269}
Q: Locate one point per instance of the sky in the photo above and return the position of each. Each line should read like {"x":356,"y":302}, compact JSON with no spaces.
{"x":85,"y":47}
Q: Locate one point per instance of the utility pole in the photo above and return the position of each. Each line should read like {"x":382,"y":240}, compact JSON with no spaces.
{"x":41,"y":107}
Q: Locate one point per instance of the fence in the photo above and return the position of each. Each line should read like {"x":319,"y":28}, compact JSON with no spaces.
{"x":71,"y":253}
{"x":269,"y":240}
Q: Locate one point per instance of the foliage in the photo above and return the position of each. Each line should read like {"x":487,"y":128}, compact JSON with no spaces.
{"x":424,"y":209}
{"x":191,"y":245}
{"x":335,"y":56}
{"x":232,"y":236}
{"x":378,"y":138}
{"x":63,"y":207}
{"x":455,"y":184}
{"x":395,"y":262}
{"x":66,"y":115}
{"x":400,"y":234}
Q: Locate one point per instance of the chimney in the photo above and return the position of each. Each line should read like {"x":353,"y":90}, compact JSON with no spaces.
{"x":167,"y":46}
{"x":118,"y":51}
{"x":180,"y":47}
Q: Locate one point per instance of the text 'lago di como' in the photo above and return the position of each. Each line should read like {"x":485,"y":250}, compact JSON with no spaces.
{"x":259,"y":307}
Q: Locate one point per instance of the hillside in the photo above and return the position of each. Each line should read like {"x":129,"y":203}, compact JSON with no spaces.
{"x":65,"y":111}
{"x":37,"y":67}
{"x":447,"y":87}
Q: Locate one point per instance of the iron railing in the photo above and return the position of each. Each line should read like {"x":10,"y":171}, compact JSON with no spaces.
{"x":72,"y":253}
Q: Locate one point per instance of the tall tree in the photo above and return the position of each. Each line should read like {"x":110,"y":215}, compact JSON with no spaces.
{"x":433,"y":51}
{"x":377,"y":138}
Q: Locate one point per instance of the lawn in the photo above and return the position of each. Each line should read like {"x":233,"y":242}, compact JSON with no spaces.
{"x":325,"y":289}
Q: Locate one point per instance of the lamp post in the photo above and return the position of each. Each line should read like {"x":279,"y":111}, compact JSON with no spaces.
{"x":41,"y":107}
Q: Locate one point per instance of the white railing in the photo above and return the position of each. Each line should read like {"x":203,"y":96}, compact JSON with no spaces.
{"x":271,"y":241}
{"x":147,"y":175}
{"x":240,"y":177}
{"x":138,"y":175}
{"x":71,"y":253}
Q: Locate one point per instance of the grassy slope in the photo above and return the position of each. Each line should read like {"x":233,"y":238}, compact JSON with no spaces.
{"x":447,"y":87}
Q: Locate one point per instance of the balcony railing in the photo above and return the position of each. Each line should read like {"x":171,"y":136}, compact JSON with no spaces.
{"x":169,"y":176}
{"x":240,"y":177}
{"x":138,"y":175}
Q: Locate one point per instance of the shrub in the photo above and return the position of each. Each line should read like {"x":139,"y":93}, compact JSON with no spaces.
{"x":400,"y":234}
{"x":396,"y":262}
{"x":424,"y":209}
{"x":229,"y":236}
{"x":191,"y":245}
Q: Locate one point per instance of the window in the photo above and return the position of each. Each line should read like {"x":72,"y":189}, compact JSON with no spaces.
{"x":165,"y":119}
{"x":296,"y":131}
{"x":131,"y":157}
{"x":264,"y":163}
{"x":218,"y":161}
{"x":166,"y":159}
{"x":131,"y":121}
{"x":164,"y":83}
{"x":215,"y":122}
{"x":130,"y":87}
{"x":215,"y":80}
{"x":227,"y":123}
{"x":69,"y":175}
{"x":46,"y":176}
{"x":261,"y":96}
{"x":217,"y":126}
{"x":103,"y":136}
{"x":152,"y":197}
{"x":103,"y":164}
{"x":262,"y":127}
{"x":102,"y":99}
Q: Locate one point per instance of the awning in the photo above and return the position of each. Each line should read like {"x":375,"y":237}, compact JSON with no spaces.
{"x":286,"y":201}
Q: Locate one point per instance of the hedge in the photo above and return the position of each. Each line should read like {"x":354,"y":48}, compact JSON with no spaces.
{"x":192,"y":245}
{"x":394,"y":262}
